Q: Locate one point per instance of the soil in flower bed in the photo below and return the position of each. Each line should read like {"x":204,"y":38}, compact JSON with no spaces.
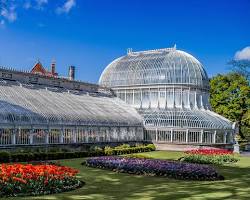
{"x":155,"y":167}
{"x":38,"y":179}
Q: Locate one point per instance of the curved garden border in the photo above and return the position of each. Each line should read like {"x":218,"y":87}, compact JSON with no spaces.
{"x":155,"y":167}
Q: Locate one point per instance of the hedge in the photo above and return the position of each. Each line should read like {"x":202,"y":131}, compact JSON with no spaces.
{"x":37,"y":156}
{"x":23,"y":157}
{"x":128,"y":150}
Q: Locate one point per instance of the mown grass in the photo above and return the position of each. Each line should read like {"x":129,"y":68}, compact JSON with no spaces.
{"x":104,"y":184}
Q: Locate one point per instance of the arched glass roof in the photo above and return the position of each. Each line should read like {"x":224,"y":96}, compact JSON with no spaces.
{"x":163,"y":66}
{"x":21,"y":105}
{"x":185,"y":118}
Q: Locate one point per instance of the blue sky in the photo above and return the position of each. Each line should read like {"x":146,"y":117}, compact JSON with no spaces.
{"x":91,"y":33}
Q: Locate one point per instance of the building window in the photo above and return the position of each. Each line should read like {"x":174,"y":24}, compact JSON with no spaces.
{"x":6,"y":75}
{"x":33,"y":79}
{"x":56,"y":83}
{"x":77,"y":86}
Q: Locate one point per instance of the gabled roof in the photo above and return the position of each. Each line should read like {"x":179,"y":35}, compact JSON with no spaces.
{"x":39,"y":69}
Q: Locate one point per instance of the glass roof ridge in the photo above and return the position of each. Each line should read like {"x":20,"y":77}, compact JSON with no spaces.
{"x":161,"y":50}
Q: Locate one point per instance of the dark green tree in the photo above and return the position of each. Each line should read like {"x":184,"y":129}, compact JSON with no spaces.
{"x":241,"y":67}
{"x":246,"y":124}
{"x":230,"y":97}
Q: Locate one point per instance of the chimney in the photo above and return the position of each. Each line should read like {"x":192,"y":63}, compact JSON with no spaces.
{"x":72,"y":72}
{"x":53,"y":67}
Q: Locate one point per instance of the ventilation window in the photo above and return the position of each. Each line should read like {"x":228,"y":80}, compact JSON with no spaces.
{"x":6,"y":75}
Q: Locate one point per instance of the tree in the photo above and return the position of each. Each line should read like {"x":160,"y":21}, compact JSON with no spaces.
{"x":241,"y":67}
{"x":230,"y":97}
{"x":246,"y":124}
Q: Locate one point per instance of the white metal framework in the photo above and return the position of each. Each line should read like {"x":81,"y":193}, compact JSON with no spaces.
{"x":170,"y":89}
{"x":41,"y":114}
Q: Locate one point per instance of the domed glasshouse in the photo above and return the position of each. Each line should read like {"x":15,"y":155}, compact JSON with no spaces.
{"x":163,"y":97}
{"x":170,"y":90}
{"x":38,"y":107}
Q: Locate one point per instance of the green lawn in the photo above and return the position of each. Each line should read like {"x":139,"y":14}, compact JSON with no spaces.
{"x":104,"y":184}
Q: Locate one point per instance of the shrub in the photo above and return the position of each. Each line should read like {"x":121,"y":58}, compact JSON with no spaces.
{"x":139,"y":149}
{"x":155,"y":167}
{"x":23,"y":157}
{"x":209,"y":156}
{"x":138,"y":156}
{"x":94,"y":151}
{"x":28,"y":179}
{"x":4,"y":156}
{"x":127,"y":149}
{"x":151,"y":147}
{"x":108,"y":150}
{"x":123,"y":146}
{"x":95,"y":148}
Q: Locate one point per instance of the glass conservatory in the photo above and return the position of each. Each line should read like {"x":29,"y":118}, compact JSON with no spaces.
{"x":36,"y":110}
{"x":170,"y":90}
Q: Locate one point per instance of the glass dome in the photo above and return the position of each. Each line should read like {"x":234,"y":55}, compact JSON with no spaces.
{"x":163,"y":66}
{"x":170,"y":90}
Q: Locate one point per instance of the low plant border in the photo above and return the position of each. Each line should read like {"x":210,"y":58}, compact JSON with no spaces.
{"x":6,"y":157}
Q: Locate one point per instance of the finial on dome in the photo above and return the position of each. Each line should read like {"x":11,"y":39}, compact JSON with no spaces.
{"x":129,"y":50}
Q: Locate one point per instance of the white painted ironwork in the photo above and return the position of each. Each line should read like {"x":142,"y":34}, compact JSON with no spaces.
{"x":84,"y":134}
{"x":170,"y":90}
{"x":20,"y":105}
{"x":35,"y":114}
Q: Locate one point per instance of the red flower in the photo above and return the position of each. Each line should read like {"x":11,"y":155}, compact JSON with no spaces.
{"x":25,"y":172}
{"x":19,"y":180}
{"x":209,"y":151}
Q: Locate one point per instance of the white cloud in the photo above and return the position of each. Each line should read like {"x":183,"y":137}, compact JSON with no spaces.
{"x":9,"y":14}
{"x":35,"y":4}
{"x":40,"y":4}
{"x":9,"y":8}
{"x":66,"y":7}
{"x":243,"y":54}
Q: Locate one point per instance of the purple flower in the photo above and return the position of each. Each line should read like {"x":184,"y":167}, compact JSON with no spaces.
{"x":156,"y":167}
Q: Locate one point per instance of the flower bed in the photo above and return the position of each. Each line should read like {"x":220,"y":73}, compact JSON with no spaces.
{"x":209,"y":156}
{"x":28,"y":179}
{"x":209,"y":151}
{"x":155,"y":167}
